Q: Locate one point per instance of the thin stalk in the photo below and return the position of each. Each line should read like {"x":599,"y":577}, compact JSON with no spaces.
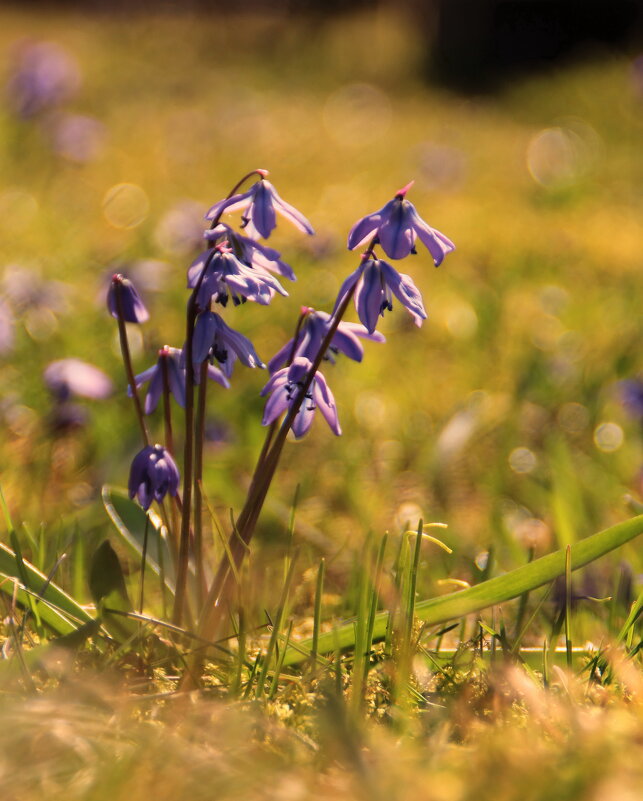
{"x":169,"y":444}
{"x":143,"y":562}
{"x":188,"y":448}
{"x":568,"y":605}
{"x":319,"y":588}
{"x":127,"y":361}
{"x":260,"y":484}
{"x":198,"y":486}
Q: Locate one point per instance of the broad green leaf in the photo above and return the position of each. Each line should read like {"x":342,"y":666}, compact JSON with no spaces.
{"x":130,"y":521}
{"x":488,"y":593}
{"x":107,"y":586}
{"x":58,"y":611}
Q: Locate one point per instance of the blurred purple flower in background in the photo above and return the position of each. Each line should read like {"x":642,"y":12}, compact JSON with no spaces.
{"x":133,"y":308}
{"x":66,"y":377}
{"x":76,"y":137}
{"x":632,"y":396}
{"x":6,"y":327}
{"x":284,"y":387}
{"x":42,"y":75}
{"x":26,"y":290}
{"x":180,"y":230}
{"x":152,"y":475}
{"x":397,"y":225}
{"x":377,"y":282}
{"x":313,"y":329}
{"x":260,"y":204}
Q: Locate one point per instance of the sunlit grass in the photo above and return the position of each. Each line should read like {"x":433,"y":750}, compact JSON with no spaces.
{"x":491,"y":418}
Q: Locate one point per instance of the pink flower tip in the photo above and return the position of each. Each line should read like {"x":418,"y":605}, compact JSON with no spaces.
{"x":305,"y":310}
{"x":262,"y":173}
{"x":402,"y":192}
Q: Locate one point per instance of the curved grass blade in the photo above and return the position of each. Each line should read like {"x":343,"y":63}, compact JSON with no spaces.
{"x":129,"y":519}
{"x":62,"y":614}
{"x":488,"y":593}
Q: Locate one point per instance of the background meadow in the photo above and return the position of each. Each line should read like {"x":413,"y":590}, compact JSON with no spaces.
{"x":505,"y":416}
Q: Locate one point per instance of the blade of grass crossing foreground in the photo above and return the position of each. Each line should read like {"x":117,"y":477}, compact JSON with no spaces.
{"x":495,"y":591}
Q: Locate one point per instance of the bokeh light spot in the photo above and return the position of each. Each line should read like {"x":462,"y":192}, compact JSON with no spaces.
{"x":522,"y":460}
{"x":125,"y":205}
{"x":608,"y":437}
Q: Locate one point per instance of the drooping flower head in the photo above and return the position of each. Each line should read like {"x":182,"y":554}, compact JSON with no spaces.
{"x":214,"y":339}
{"x":170,"y":360}
{"x":284,"y":387}
{"x":312,"y":331}
{"x":250,"y":252}
{"x":260,"y":204}
{"x":133,"y":308}
{"x":152,"y":475}
{"x":226,"y":277}
{"x":396,"y":226}
{"x":376,"y":283}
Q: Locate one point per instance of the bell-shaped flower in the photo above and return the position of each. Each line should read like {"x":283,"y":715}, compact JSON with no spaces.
{"x":312,"y":331}
{"x":377,"y":282}
{"x":251,"y":252}
{"x":214,"y":339}
{"x":396,"y":226}
{"x":284,"y":388}
{"x":260,"y":204}
{"x":224,"y":276}
{"x":152,"y":475}
{"x":133,"y":308}
{"x":168,"y":361}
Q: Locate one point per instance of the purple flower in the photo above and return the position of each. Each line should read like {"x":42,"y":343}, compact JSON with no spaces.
{"x":152,"y":475}
{"x":311,"y":334}
{"x":173,"y":360}
{"x":66,"y":377}
{"x":225,"y":276}
{"x":377,"y":282}
{"x":252,"y":253}
{"x":284,"y":387}
{"x":214,"y":339}
{"x":133,"y":308}
{"x":396,"y":226}
{"x":259,"y":205}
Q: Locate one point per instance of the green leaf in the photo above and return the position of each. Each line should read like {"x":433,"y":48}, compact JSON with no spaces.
{"x":58,"y":611}
{"x":107,"y":586}
{"x":488,"y":593}
{"x":130,"y":521}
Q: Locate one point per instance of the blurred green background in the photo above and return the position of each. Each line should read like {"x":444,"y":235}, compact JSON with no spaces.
{"x":503,"y":416}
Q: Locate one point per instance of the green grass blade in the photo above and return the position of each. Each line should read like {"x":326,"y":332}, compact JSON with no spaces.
{"x":129,"y":519}
{"x":62,"y":614}
{"x":489,"y":593}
